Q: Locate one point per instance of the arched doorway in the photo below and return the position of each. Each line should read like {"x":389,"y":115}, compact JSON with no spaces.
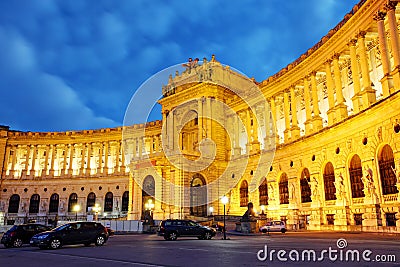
{"x":244,"y":194}
{"x":54,"y":201}
{"x":284,"y":189}
{"x":91,"y":200}
{"x":148,"y":193}
{"x":305,"y":186}
{"x":355,"y":171}
{"x":198,"y":196}
{"x":386,"y":167}
{"x":13,"y":204}
{"x":329,"y":182}
{"x":263,"y":192}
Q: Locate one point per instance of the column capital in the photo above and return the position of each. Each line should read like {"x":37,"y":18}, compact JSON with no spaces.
{"x":361,"y":34}
{"x":336,"y":56}
{"x":379,"y":15}
{"x":328,"y":61}
{"x":353,"y":42}
{"x":390,"y":5}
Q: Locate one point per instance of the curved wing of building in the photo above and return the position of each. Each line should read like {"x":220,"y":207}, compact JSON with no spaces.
{"x":319,"y":150}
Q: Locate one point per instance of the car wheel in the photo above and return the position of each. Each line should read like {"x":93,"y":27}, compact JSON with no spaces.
{"x":173,"y":236}
{"x":55,"y":243}
{"x":207,"y":235}
{"x":264,"y":230}
{"x":283,"y":230}
{"x":100,"y":240}
{"x":17,"y":243}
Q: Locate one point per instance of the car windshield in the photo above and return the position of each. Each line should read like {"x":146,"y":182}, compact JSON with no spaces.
{"x":13,"y":228}
{"x":59,"y":228}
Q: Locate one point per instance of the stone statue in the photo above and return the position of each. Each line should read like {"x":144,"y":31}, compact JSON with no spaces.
{"x":191,"y":64}
{"x":249,"y":215}
{"x":292,"y":192}
{"x":367,"y":179}
{"x":314,"y":187}
{"x":271,"y":192}
{"x":340,"y":192}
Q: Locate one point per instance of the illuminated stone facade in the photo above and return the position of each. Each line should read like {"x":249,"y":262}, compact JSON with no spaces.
{"x":333,"y":116}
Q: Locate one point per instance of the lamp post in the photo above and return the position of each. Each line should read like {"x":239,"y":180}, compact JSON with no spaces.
{"x":96,"y":210}
{"x":224,"y":201}
{"x":77,"y":208}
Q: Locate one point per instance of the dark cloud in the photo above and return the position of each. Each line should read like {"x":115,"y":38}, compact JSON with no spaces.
{"x":76,"y":64}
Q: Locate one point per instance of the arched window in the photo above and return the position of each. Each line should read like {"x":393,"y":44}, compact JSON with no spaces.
{"x":244,"y":194}
{"x":108,"y":202}
{"x":148,"y":193}
{"x":72,"y":201}
{"x":356,"y":174}
{"x":263,"y":192}
{"x":34,"y":203}
{"x":305,"y":187}
{"x":329,"y":182}
{"x":54,"y":201}
{"x":198,"y":196}
{"x":90,"y":201}
{"x":13,"y":204}
{"x":284,"y":189}
{"x":125,"y":201}
{"x":386,"y":167}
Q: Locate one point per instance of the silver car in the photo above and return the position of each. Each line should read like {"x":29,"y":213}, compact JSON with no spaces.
{"x":273,"y":226}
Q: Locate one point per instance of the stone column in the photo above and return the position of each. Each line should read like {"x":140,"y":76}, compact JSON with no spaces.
{"x":208,"y":104}
{"x":317,"y":120}
{"x":274,"y":119}
{"x":83,"y":159}
{"x":387,"y":80}
{"x":248,"y":131}
{"x":89,"y":158}
{"x":200,"y":119}
{"x":122,"y":168}
{"x":64,"y":168}
{"x":53,"y":157}
{"x":71,"y":159}
{"x":267,"y":122}
{"x":33,"y":167}
{"x":390,"y":8}
{"x":117,"y":152}
{"x":368,"y":93}
{"x":46,"y":162}
{"x":100,"y":158}
{"x":331,"y":97}
{"x":287,"y":115}
{"x":307,"y":100}
{"x":341,"y":108}
{"x":356,"y":76}
{"x":6,"y":160}
{"x":140,"y":144}
{"x":14,"y":160}
{"x":295,"y":130}
{"x":105,"y":166}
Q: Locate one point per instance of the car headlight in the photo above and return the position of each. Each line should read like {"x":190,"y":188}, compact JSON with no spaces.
{"x":43,"y":236}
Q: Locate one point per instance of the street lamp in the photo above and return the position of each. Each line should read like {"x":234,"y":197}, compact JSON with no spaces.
{"x":224,"y":201}
{"x":211,"y":209}
{"x":96,"y":210}
{"x":149,"y":205}
{"x":77,"y":208}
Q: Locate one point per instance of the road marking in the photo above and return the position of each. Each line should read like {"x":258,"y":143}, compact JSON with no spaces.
{"x":101,"y":259}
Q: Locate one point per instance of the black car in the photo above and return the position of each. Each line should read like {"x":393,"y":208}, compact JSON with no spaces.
{"x":172,"y":229}
{"x":70,"y":234}
{"x":21,"y":234}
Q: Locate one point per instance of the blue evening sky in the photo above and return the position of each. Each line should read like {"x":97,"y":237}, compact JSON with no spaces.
{"x":72,"y":65}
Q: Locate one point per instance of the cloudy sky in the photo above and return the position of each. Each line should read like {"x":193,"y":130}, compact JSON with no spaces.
{"x":71,"y":65}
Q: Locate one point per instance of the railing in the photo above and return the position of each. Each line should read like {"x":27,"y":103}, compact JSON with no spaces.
{"x":390,"y":198}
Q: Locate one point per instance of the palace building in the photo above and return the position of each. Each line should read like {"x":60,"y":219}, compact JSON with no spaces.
{"x":319,"y":147}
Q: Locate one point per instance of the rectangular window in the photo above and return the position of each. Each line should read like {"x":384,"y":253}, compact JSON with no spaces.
{"x":390,"y":219}
{"x":330,"y":219}
{"x":358,"y":219}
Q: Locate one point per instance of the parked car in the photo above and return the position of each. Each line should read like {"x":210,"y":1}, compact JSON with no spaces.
{"x":172,"y":229}
{"x":21,"y":234}
{"x":273,"y":226}
{"x":70,"y":234}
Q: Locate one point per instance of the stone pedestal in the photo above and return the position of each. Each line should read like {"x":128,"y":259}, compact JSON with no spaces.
{"x":248,"y":227}
{"x":341,"y":111}
{"x":368,"y":97}
{"x":370,"y":217}
{"x":342,"y":218}
{"x":316,"y":219}
{"x":292,"y":220}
